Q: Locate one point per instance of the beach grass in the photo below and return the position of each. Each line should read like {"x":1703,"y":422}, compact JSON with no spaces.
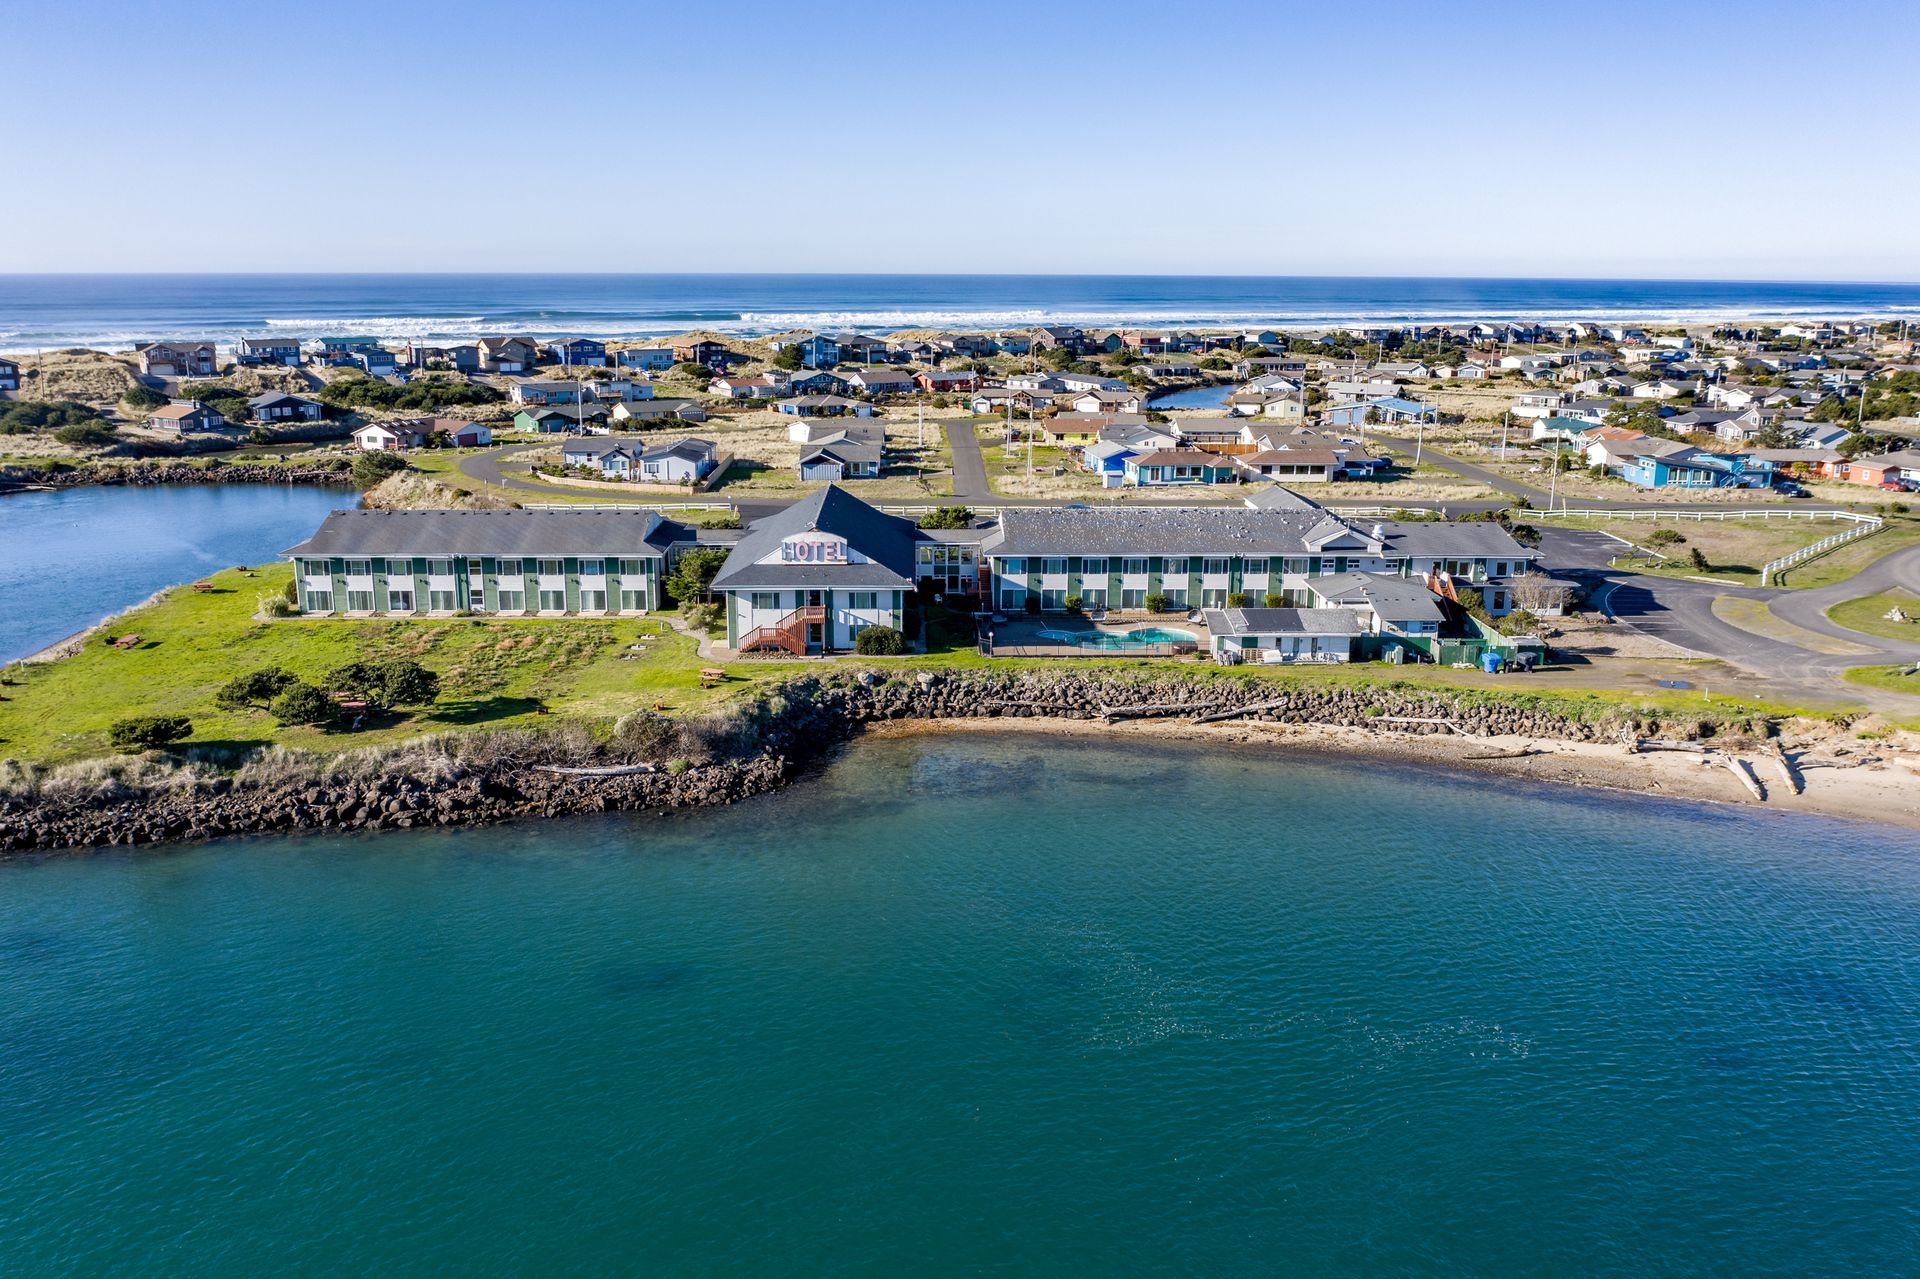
{"x":1735,"y":550}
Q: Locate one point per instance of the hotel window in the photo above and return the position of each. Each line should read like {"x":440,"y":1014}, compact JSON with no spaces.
{"x":359,"y":601}
{"x":633,"y":568}
{"x":319,"y":601}
{"x":1054,"y":566}
{"x":552,"y":568}
{"x":1136,"y":567}
{"x":1176,"y":596}
{"x":633,"y":601}
{"x":1175,"y":567}
{"x":591,"y":568}
{"x":1013,"y":599}
{"x":1053,"y":600}
{"x":1215,"y":598}
{"x":1256,"y":568}
{"x":1093,"y":568}
{"x":868,"y":600}
{"x":593,"y":601}
{"x":442,"y":601}
{"x":553,"y":601}
{"x":512,"y":601}
{"x":1133,"y":597}
{"x":1014,"y":567}
{"x":1216,"y":567}
{"x":400,"y":601}
{"x":1094,"y":597}
{"x":766,"y":601}
{"x":511,"y":568}
{"x":399,"y":568}
{"x":439,"y":568}
{"x":359,"y":568}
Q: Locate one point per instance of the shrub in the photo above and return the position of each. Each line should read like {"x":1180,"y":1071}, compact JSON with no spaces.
{"x":1237,"y":600}
{"x":1698,"y":559}
{"x":1276,"y":601}
{"x":879,"y":641}
{"x":361,"y":391}
{"x":370,"y":468}
{"x":1073,"y":603}
{"x":139,"y":733}
{"x":29,"y":416}
{"x":302,"y":704}
{"x":948,"y":517}
{"x":142,"y":397}
{"x":1156,"y":603}
{"x":406,"y":683}
{"x":1033,"y":603}
{"x":255,"y":690}
{"x":1664,"y":537}
{"x":89,"y":433}
{"x":692,"y":576}
{"x":701,"y":615}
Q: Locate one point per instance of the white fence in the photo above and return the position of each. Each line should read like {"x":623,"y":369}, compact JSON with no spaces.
{"x":1864,"y":525}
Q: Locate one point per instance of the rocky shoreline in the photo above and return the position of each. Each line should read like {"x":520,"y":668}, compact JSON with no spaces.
{"x":791,"y":725}
{"x":150,"y":474}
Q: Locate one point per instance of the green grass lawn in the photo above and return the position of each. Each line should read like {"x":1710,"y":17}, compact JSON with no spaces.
{"x":1869,"y":614}
{"x":529,"y":672}
{"x":1735,"y":549}
{"x":1893,"y":679}
{"x":1840,"y":564}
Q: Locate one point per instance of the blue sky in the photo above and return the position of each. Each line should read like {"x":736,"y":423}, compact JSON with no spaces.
{"x":1680,"y":140}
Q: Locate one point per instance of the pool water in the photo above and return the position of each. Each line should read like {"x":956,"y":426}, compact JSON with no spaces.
{"x":1131,"y":639}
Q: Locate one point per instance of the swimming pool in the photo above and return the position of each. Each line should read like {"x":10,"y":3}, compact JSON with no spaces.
{"x":1139,"y":637}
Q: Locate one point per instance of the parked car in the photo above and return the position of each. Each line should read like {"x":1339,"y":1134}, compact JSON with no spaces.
{"x":1787,"y":488}
{"x":1893,"y":486}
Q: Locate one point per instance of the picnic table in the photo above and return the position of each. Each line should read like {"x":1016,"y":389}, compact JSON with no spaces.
{"x":711,"y":675}
{"x":201,"y":588}
{"x":126,"y":641}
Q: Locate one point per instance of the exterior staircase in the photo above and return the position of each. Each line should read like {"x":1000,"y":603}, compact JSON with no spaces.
{"x":789,"y":633}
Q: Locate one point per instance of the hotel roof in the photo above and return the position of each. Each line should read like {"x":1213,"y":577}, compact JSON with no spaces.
{"x":886,"y":541}
{"x":636,"y":534}
{"x":1165,"y":530}
{"x":1283,"y":621}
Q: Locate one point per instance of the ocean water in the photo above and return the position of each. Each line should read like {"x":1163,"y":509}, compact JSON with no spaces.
{"x":982,"y":1005}
{"x":71,"y":557}
{"x":49,"y":311}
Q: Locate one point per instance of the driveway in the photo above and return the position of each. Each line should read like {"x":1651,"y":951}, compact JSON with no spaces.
{"x":969,"y":464}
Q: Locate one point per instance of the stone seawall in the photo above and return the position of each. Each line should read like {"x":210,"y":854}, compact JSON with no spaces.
{"x":789,"y":726}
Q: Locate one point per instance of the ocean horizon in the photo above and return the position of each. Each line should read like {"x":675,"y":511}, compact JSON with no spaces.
{"x":114,"y":311}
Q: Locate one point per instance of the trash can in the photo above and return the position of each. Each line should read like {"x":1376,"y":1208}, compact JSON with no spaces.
{"x":1490,"y":663}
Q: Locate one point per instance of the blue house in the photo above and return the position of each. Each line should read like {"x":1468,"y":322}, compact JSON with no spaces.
{"x":338,"y":351}
{"x":377,"y":361}
{"x":1697,"y":470}
{"x":580,"y":351}
{"x":819,"y":351}
{"x":252,"y":351}
{"x":652,"y":358}
{"x":821,"y":383}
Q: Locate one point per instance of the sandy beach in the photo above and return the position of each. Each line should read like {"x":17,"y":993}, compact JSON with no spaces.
{"x":1863,"y":781}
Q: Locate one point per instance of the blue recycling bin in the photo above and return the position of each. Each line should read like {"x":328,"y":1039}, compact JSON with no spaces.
{"x":1490,"y":663}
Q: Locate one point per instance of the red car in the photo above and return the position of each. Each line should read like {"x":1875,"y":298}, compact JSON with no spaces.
{"x":1893,"y":486}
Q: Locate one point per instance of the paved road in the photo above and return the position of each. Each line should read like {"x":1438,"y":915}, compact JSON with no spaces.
{"x":1465,"y":470}
{"x":969,"y":464}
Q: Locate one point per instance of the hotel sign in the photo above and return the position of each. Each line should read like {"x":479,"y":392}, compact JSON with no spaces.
{"x":817,"y":550}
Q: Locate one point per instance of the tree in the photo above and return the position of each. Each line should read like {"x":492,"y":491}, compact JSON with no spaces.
{"x":698,"y":372}
{"x":302,"y":703}
{"x":948,"y":517}
{"x":879,"y":641}
{"x":1275,"y":600}
{"x":254,"y":691}
{"x":1664,"y":537}
{"x":1536,"y":593}
{"x":1237,"y":599}
{"x":370,"y":468}
{"x":406,"y":683}
{"x":139,"y":733}
{"x":788,"y":358}
{"x":692,"y":577}
{"x":142,"y":397}
{"x":1698,"y":559}
{"x":44,"y":415}
{"x":1058,"y":356}
{"x":1156,"y":603}
{"x":1774,"y":435}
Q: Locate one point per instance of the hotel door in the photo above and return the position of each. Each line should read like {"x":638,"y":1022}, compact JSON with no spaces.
{"x":816,"y":631}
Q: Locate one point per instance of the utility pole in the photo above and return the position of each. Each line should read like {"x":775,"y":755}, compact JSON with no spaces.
{"x":1505,"y":418}
{"x":1553,"y":487}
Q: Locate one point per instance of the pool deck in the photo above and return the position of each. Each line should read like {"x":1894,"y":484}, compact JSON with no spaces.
{"x":1022,"y":636}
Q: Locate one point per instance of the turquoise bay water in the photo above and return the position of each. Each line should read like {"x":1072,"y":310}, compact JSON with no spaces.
{"x":981,"y":1005}
{"x":1193,"y":397}
{"x":71,"y":557}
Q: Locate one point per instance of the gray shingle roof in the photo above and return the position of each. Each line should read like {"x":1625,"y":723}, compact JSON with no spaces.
{"x":1474,"y":539}
{"x":887,"y":542}
{"x":1283,"y":621}
{"x":1395,"y":599}
{"x":1165,"y":530}
{"x":631,"y":534}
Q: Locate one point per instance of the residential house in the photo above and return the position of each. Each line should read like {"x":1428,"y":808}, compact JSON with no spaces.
{"x":179,"y":360}
{"x":555,"y":419}
{"x":664,"y":408}
{"x":461,"y":357}
{"x":545,"y":391}
{"x":507,"y":354}
{"x":276,"y":406}
{"x":1179,"y":466}
{"x":880,"y":381}
{"x":376,"y":361}
{"x":650,"y":358}
{"x":337,"y":352}
{"x":1127,"y":401}
{"x":251,"y":352}
{"x":1051,"y":336}
{"x":699,"y":351}
{"x":1254,"y":366}
{"x":1274,"y":403}
{"x":854,"y":452}
{"x":1389,"y":411}
{"x":997,"y":399}
{"x":1085,"y":428}
{"x":1083,"y":382}
{"x":1169,"y":369}
{"x":572,"y":351}
{"x":9,"y":375}
{"x":1282,"y":636}
{"x":764,"y":387}
{"x":1696,"y":469}
{"x":510,"y":562}
{"x":960,"y":380}
{"x":408,"y":433}
{"x":1540,"y":403}
{"x":685,"y":461}
{"x":1884,"y":468}
{"x":823,"y":406}
{"x":387,"y":437}
{"x":818,"y":382}
{"x":184,"y":416}
{"x":1293,"y":466}
{"x":1347,"y":390}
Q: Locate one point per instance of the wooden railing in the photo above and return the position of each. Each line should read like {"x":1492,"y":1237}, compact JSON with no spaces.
{"x":789,"y":633}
